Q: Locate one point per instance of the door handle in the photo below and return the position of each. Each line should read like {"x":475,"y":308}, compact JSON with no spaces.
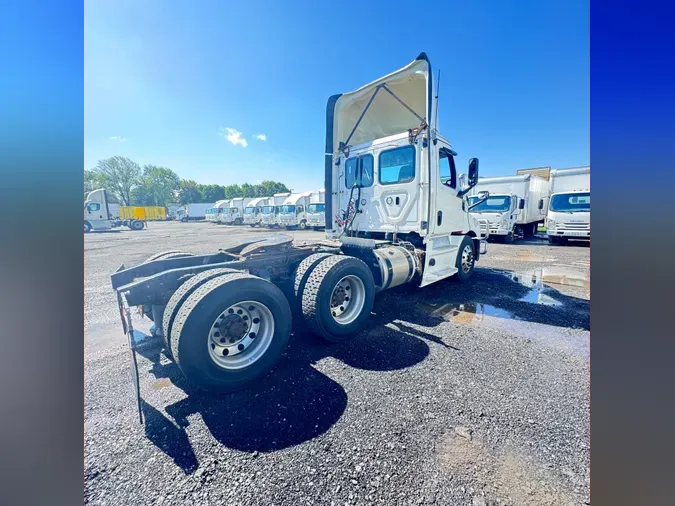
{"x":439,"y":218}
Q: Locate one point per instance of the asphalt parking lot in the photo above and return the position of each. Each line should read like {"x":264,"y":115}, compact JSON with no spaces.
{"x":474,"y":393}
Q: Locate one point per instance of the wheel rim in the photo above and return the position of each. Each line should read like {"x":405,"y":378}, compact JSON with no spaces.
{"x":347,"y":299}
{"x":240,"y":335}
{"x":467,"y":259}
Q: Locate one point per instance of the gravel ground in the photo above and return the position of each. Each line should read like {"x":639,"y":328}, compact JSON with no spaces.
{"x":465,"y":394}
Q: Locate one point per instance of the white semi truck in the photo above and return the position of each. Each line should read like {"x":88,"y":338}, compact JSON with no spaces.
{"x":213,"y":214}
{"x":234,"y":214}
{"x":396,"y":214}
{"x":270,"y":212}
{"x":569,"y":206}
{"x":293,"y":212}
{"x":253,"y":211}
{"x":98,"y":216}
{"x":512,"y":209}
{"x":316,"y":210}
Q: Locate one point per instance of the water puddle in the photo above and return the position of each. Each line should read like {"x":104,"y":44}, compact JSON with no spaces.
{"x":464,"y":314}
{"x":538,"y":280}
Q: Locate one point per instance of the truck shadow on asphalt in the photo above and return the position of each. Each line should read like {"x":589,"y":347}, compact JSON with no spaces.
{"x":296,"y":402}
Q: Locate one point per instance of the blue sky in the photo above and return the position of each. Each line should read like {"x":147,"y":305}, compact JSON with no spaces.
{"x":164,"y":80}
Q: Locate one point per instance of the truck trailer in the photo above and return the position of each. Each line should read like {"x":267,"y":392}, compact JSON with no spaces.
{"x":512,"y":209}
{"x":97,"y":215}
{"x":395,"y":214}
{"x":253,"y":211}
{"x":270,"y":212}
{"x":569,"y":206}
{"x":316,"y":210}
{"x":293,"y":212}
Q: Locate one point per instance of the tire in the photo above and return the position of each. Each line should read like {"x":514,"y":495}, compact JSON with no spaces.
{"x":318,"y":292}
{"x":252,"y":225}
{"x":193,"y":332}
{"x":552,"y":239}
{"x":508,"y":239}
{"x":136,"y":225}
{"x":303,"y":225}
{"x":180,"y":295}
{"x":87,"y":227}
{"x":466,"y":259}
{"x":239,"y":222}
{"x":302,"y":272}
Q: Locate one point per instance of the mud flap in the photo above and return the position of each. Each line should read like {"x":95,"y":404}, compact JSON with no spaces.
{"x":125,"y":314}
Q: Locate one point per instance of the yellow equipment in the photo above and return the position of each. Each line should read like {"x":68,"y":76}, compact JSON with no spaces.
{"x":148,"y":213}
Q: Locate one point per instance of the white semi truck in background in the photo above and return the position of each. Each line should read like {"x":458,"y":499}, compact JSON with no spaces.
{"x":569,"y":206}
{"x":270,"y":212}
{"x":97,"y":215}
{"x":316,"y":210}
{"x":512,"y":209}
{"x":214,"y":213}
{"x":293,"y":212}
{"x":253,"y":211}
{"x":395,"y":213}
{"x":234,"y":213}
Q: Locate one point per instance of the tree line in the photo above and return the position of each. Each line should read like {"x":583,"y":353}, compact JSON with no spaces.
{"x":130,"y":184}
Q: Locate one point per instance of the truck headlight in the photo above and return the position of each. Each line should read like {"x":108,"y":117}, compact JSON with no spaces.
{"x":551,"y":224}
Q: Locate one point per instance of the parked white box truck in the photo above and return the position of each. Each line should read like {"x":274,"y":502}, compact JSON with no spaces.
{"x":569,"y":206}
{"x":270,"y":212}
{"x":253,"y":211}
{"x":194,"y":211}
{"x":293,"y":212}
{"x":234,"y":214}
{"x":214,"y":213}
{"x":513,"y":205}
{"x":316,"y":210}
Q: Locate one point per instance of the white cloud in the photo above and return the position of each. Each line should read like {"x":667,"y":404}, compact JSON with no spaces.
{"x":234,"y":136}
{"x":118,"y":138}
{"x":261,"y":137}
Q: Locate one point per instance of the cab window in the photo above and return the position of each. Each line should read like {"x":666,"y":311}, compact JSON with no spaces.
{"x":94,"y":207}
{"x":446,"y":168}
{"x":352,"y":176}
{"x":397,"y":165}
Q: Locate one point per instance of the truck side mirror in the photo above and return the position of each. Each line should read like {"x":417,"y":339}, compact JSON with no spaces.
{"x":521,"y":204}
{"x":540,"y":205}
{"x":473,"y":172}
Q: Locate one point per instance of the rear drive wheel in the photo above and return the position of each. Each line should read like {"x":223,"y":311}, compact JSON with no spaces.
{"x":230,"y":332}
{"x":466,"y":259}
{"x":164,"y":255}
{"x":180,"y":295}
{"x":338,"y":297}
{"x":136,"y":225}
{"x":301,"y":274}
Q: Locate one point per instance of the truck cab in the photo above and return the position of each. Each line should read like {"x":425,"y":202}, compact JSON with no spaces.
{"x":392,"y":177}
{"x":234,"y":213}
{"x":253,"y":211}
{"x":213,"y":214}
{"x":270,"y":212}
{"x":97,"y":215}
{"x":569,"y":206}
{"x":293,"y":212}
{"x":500,"y":211}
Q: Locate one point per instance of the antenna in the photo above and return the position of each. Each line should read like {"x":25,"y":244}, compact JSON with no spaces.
{"x":438,"y":86}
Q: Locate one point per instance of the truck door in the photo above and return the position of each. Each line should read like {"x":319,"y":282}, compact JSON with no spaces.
{"x":447,"y":217}
{"x":96,"y":210}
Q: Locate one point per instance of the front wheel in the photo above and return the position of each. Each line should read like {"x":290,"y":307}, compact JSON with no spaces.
{"x":87,"y":227}
{"x":303,"y":225}
{"x":466,"y":259}
{"x":230,"y":332}
{"x":337,"y":297}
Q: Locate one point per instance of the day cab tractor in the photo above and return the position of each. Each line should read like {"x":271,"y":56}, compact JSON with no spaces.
{"x":396,"y":212}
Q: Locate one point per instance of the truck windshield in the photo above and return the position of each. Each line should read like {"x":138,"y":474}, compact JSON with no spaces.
{"x":268,"y":210}
{"x":249,"y":210}
{"x":287,"y":209}
{"x":316,"y":208}
{"x":568,"y":202}
{"x":494,"y":204}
